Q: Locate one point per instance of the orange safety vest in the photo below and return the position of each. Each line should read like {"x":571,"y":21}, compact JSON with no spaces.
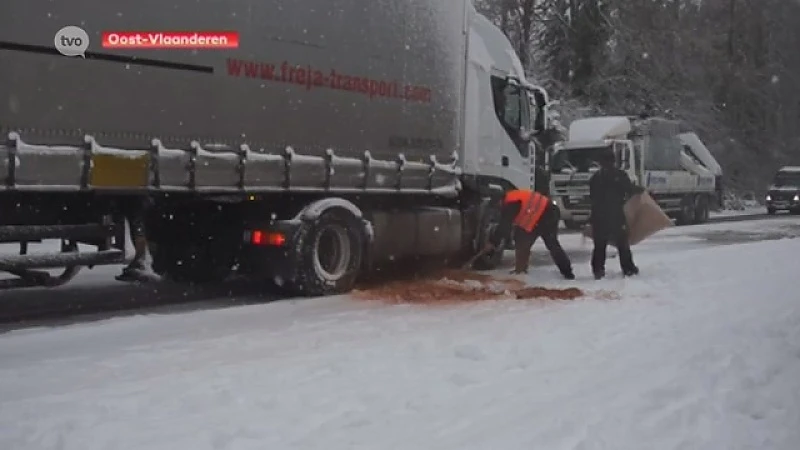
{"x":533,"y":207}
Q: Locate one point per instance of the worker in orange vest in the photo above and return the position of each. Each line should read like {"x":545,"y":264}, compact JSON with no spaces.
{"x":532,"y":214}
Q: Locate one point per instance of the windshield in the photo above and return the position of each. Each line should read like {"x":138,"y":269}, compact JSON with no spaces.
{"x":578,"y":159}
{"x":787,"y":179}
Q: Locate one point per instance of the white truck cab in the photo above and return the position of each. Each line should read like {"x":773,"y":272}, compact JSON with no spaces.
{"x":503,"y":111}
{"x":650,"y":151}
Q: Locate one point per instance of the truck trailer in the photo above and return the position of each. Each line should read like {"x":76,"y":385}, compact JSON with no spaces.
{"x":673,"y":165}
{"x":337,"y":135}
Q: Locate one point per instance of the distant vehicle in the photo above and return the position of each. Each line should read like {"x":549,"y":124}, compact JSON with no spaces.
{"x":676,"y":168}
{"x":784,"y":193}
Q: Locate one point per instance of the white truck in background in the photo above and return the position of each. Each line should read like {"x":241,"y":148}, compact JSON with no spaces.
{"x":675,"y":168}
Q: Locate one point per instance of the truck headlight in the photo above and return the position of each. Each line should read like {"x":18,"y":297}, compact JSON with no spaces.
{"x":796,"y":198}
{"x":769,"y":198}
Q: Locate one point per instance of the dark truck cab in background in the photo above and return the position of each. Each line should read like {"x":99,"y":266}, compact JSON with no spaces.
{"x":784,"y":193}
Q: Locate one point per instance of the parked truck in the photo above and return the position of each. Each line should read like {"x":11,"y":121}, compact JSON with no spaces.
{"x":337,"y":136}
{"x":673,"y":165}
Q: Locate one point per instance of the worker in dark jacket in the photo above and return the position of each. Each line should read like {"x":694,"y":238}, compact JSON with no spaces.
{"x":609,"y":189}
{"x":531,"y":214}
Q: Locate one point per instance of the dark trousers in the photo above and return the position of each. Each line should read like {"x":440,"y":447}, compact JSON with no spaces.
{"x":548,"y":230}
{"x":618,"y":237}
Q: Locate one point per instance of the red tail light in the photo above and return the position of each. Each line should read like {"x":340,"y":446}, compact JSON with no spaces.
{"x":259,"y":237}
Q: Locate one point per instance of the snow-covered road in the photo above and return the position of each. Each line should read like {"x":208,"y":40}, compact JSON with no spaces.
{"x":95,"y":291}
{"x":702,"y":351}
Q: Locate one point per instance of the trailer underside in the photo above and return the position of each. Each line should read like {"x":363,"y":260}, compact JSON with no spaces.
{"x":201,"y":238}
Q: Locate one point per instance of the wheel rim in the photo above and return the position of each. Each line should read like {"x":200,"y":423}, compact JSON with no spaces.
{"x":332,"y":252}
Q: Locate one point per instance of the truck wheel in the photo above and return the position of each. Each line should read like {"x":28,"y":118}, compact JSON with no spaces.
{"x":329,"y":253}
{"x":771,"y":211}
{"x":701,"y":210}
{"x":686,"y":215}
{"x":493,"y":259}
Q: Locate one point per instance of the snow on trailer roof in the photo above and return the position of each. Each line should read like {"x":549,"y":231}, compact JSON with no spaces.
{"x":791,"y":169}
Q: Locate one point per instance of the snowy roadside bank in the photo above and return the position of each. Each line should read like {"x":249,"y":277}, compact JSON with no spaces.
{"x":747,"y":211}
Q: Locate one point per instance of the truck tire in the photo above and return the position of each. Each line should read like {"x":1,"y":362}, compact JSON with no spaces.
{"x":686,"y":216}
{"x":328,"y":254}
{"x":771,"y":211}
{"x":702,"y":209}
{"x":489,"y":222}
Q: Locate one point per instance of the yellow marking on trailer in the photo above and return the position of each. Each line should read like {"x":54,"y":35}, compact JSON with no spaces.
{"x":115,"y":171}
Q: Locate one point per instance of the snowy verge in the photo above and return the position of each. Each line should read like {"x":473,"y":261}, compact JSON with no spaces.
{"x":747,"y":211}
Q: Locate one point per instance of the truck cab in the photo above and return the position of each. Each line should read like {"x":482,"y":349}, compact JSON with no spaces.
{"x":503,"y":111}
{"x":651,"y":151}
{"x":784,"y":192}
{"x":573,"y":165}
{"x":575,"y":160}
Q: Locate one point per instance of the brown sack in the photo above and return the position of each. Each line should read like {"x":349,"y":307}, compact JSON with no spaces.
{"x":644,"y":217}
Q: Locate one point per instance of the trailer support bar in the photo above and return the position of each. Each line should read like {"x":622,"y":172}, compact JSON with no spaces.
{"x":14,"y":263}
{"x":14,"y":233}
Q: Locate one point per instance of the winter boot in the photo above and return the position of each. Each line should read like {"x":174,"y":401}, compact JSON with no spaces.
{"x":522,"y":258}
{"x":132,"y":271}
{"x":599,"y":274}
{"x":631,"y":271}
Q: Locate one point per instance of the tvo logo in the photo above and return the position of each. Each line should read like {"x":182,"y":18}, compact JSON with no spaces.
{"x":72,"y":41}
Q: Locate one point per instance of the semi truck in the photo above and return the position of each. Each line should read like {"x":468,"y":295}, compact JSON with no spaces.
{"x":336,"y":136}
{"x":673,"y":165}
